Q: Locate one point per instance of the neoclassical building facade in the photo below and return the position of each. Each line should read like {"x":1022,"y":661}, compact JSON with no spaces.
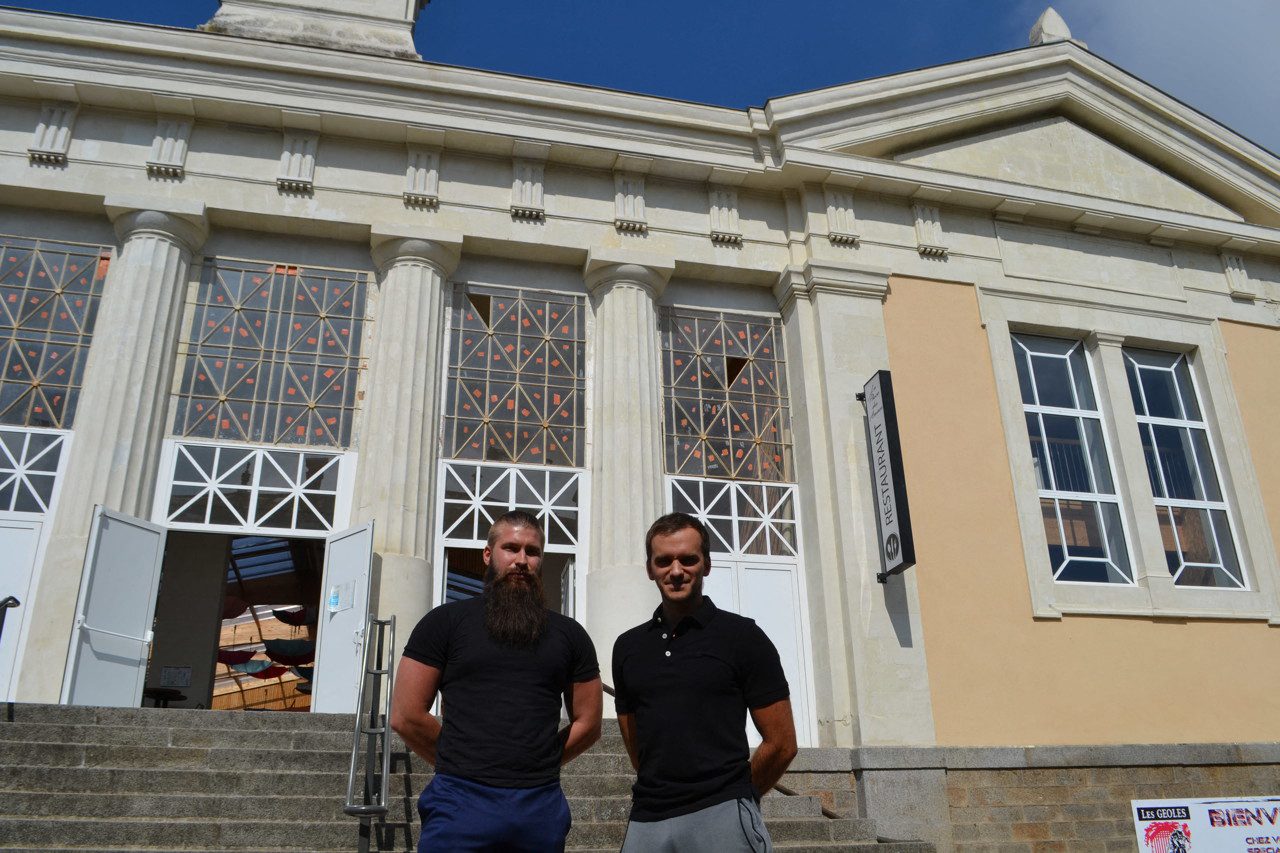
{"x":289,"y":315}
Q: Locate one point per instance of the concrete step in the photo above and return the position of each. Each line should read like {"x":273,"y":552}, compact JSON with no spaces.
{"x":256,"y":830}
{"x":187,"y":718}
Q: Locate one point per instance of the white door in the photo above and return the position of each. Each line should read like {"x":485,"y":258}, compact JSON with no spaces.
{"x":348,"y":559}
{"x":19,"y":541}
{"x":768,"y":593}
{"x":112,"y":641}
{"x":567,"y":596}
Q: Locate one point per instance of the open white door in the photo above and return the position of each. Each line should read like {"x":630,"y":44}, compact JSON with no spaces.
{"x":568,"y":596}
{"x":108,"y":660}
{"x":19,"y":541}
{"x":348,"y":560}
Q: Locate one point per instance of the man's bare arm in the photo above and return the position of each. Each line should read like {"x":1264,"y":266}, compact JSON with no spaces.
{"x":777,"y":747}
{"x":411,"y":717}
{"x":585,"y":704}
{"x":627,"y":725}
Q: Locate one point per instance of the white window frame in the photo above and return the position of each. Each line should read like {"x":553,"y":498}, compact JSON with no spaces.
{"x":1106,"y":330}
{"x":1049,"y":493}
{"x":1168,"y":503}
{"x":342,"y":503}
{"x":578,"y":550}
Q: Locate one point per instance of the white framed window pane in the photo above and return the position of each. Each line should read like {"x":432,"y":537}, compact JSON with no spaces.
{"x":1085,"y":537}
{"x":1191,"y":509}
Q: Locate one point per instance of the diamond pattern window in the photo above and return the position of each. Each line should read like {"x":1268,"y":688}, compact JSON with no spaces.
{"x":476,"y":494}
{"x":744,"y":519}
{"x":725,"y":396}
{"x":28,"y":469}
{"x":1191,"y":508}
{"x":49,"y":295}
{"x":272,"y":354}
{"x":1078,"y":500}
{"x":253,"y":490}
{"x":516,"y":377}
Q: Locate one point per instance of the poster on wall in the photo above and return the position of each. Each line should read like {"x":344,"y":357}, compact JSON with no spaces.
{"x":1229,"y":825}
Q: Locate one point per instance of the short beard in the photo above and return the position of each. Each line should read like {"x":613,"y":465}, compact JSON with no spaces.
{"x":514,"y":612}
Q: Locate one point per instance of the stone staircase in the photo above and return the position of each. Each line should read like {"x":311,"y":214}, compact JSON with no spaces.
{"x":112,"y":779}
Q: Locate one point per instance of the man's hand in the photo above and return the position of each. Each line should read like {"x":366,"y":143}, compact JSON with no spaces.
{"x":585,"y":704}
{"x":411,"y":717}
{"x":777,"y":747}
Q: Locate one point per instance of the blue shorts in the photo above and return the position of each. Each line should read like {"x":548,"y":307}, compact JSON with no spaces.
{"x":461,"y":816}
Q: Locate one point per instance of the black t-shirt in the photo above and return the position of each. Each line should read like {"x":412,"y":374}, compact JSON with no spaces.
{"x":501,"y":704}
{"x":690,"y":689}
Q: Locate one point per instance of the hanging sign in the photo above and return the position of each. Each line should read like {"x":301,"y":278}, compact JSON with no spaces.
{"x":1234,"y":825}
{"x":897,"y":548}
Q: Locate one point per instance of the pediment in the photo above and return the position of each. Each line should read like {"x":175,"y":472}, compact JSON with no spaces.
{"x":1051,"y":116}
{"x":1056,"y":153}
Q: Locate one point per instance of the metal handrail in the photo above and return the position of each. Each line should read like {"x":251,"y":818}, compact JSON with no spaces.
{"x":9,"y":602}
{"x":377,"y":733}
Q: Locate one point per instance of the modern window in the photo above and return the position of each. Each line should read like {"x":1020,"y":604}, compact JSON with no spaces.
{"x":272,"y":354}
{"x":1195,"y":521}
{"x":49,"y":295}
{"x":725,"y":396}
{"x":1079,"y":505}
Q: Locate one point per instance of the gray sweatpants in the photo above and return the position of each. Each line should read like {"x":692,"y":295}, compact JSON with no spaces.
{"x":732,"y":827}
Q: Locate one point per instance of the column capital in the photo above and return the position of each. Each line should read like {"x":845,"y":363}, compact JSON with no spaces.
{"x":393,"y":244}
{"x":181,"y":222}
{"x":822,"y":276}
{"x":605,"y":267}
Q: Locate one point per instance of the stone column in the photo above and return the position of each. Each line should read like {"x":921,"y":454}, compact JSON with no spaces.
{"x":626,"y":451}
{"x":399,"y":434}
{"x":868,"y":635}
{"x":120,"y":420}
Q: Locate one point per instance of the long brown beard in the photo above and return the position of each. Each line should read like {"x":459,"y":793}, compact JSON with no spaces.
{"x":514,"y":612}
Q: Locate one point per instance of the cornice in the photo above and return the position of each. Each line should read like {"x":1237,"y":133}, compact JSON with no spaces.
{"x":1056,"y":206}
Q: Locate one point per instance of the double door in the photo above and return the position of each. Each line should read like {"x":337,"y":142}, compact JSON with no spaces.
{"x":112,"y":639}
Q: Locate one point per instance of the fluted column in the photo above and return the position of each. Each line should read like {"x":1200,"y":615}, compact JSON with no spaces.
{"x":400,"y":428}
{"x":119,"y":422}
{"x":626,"y":467}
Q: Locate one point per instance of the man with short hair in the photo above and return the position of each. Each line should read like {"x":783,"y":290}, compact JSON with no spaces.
{"x":503,"y":662}
{"x":685,"y":681}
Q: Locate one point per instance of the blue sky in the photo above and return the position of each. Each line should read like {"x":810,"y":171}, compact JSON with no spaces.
{"x":1219,"y":56}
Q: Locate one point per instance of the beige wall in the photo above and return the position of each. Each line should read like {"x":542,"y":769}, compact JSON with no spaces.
{"x":1253,"y":358}
{"x":997,"y":675}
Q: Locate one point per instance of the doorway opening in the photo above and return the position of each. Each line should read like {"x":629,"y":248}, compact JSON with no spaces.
{"x":464,"y":577}
{"x":235,"y":624}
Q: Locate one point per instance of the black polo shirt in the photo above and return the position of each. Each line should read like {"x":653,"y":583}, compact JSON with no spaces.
{"x":501,"y":712}
{"x":689,"y":688}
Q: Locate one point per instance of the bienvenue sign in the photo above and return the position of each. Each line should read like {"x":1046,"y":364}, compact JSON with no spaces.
{"x":1231,"y":825}
{"x":896,"y":545}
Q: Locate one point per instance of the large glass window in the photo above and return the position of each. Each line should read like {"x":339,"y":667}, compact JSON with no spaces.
{"x":725,"y":396}
{"x":517,"y":377}
{"x":1190,"y":506}
{"x":272,"y":354}
{"x":49,"y":294}
{"x":1078,"y":500}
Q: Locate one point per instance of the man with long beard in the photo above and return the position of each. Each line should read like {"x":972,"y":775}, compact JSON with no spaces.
{"x":503,"y":663}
